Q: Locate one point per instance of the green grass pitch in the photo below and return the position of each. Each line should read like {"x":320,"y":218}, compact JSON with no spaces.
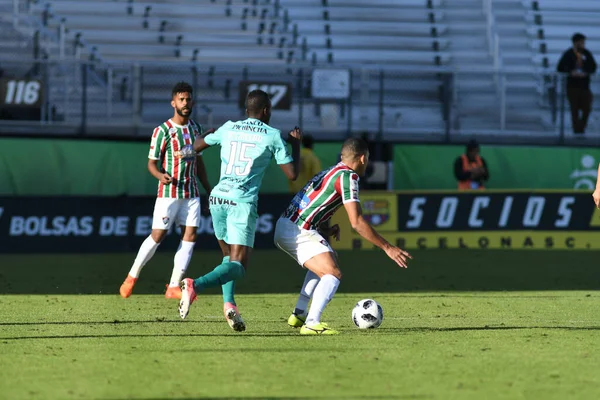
{"x":458,"y":325}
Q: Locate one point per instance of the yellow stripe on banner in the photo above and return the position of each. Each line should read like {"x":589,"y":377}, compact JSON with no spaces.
{"x":595,"y":220}
{"x":494,"y":240}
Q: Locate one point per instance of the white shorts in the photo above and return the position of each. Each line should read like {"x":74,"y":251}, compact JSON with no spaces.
{"x":184,"y":212}
{"x":300,"y":244}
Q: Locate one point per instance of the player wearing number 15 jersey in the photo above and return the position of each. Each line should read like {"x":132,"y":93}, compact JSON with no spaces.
{"x":297,"y":233}
{"x":247,"y":148}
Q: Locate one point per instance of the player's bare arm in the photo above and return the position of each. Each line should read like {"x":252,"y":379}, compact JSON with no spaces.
{"x":164,"y":178}
{"x":292,"y":169}
{"x":200,"y":144}
{"x":364,"y":229}
{"x":596,"y":194}
{"x":201,"y":173}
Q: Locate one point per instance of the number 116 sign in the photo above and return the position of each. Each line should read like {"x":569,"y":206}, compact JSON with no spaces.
{"x":280,"y":93}
{"x":22,"y":93}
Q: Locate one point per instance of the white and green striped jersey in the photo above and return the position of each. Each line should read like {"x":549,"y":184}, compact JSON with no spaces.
{"x":172,"y":145}
{"x":322,"y":196}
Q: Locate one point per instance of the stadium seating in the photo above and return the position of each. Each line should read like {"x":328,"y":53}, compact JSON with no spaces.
{"x":552,"y":23}
{"x":285,"y":34}
{"x":415,"y":42}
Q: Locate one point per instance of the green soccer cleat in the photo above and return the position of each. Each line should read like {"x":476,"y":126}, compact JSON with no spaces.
{"x":318,"y":329}
{"x":296,"y":321}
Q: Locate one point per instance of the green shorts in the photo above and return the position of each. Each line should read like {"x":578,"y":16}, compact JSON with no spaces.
{"x":234,"y":222}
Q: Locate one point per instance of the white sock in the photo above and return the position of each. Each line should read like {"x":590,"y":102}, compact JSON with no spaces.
{"x":323,"y":294}
{"x":181,"y":261}
{"x":145,"y":253}
{"x":308,"y":287}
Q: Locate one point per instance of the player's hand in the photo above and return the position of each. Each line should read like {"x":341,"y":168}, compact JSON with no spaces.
{"x":165,"y":179}
{"x":295,"y":134}
{"x":596,"y":196}
{"x":335,"y":232}
{"x":400,"y":256}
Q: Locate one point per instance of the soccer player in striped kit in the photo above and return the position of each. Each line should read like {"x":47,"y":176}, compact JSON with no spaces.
{"x":297,"y":234}
{"x":174,"y":163}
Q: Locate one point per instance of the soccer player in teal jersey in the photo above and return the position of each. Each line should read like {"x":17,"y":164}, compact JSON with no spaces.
{"x":297,"y":233}
{"x":247,"y":148}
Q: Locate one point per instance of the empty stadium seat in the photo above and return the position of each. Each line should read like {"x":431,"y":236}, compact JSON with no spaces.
{"x":561,"y":5}
{"x":358,"y":14}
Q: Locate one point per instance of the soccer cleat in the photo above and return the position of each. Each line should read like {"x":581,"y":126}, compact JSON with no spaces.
{"x":127,"y":286}
{"x":173,"y":292}
{"x":233,"y":317}
{"x":296,"y":321}
{"x":188,"y":295}
{"x":319,"y":328}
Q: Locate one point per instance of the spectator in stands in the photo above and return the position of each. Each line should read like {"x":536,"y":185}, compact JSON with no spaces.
{"x":310,"y":165}
{"x":470,"y":168}
{"x":579,"y":63}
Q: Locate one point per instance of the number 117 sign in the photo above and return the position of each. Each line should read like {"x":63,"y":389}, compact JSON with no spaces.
{"x":279,"y":92}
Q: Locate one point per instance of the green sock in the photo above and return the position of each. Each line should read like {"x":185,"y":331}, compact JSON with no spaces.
{"x":228,"y":288}
{"x":222,"y":274}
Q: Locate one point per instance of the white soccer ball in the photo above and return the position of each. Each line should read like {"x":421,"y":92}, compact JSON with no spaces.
{"x":367,"y":314}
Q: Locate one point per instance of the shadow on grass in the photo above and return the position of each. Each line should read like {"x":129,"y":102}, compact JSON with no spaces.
{"x":380,"y":331}
{"x":333,"y":396}
{"x":114,"y":322}
{"x":157,"y":335}
{"x":374,"y":397}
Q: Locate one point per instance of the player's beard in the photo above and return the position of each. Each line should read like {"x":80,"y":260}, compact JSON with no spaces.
{"x":183,"y":112}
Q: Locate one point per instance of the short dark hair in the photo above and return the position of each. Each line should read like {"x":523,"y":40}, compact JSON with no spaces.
{"x":354,"y":148}
{"x":577,"y":37}
{"x":472,"y":145}
{"x":308,"y":141}
{"x":256,"y":101}
{"x":182,"y":87}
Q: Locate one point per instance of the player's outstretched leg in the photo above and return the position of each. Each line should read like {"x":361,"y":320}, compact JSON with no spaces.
{"x":222,"y":274}
{"x":298,"y":317}
{"x":145,"y":253}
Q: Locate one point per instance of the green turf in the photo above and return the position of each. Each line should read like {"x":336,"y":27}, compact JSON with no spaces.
{"x":448,"y":332}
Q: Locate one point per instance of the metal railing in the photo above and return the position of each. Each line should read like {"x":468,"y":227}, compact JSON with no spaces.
{"x":394,"y":103}
{"x":493,"y":39}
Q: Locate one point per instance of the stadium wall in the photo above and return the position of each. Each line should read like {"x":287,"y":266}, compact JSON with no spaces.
{"x":66,"y":167}
{"x":71,"y":167}
{"x":429,"y":167}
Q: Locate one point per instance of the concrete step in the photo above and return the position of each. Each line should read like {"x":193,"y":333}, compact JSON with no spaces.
{"x":463,"y":4}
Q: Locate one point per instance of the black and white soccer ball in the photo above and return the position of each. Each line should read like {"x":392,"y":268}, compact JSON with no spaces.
{"x":367,"y":314}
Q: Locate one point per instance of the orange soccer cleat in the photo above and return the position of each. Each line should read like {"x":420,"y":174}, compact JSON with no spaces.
{"x":173,"y":292}
{"x":127,"y":286}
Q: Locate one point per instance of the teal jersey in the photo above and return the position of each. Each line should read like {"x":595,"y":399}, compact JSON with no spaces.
{"x":247,"y":148}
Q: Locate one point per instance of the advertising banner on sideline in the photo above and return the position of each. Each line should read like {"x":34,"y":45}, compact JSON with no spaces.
{"x":106,"y":224}
{"x":479,"y":220}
